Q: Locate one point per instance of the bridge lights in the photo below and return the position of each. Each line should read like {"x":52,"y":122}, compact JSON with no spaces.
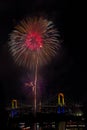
{"x":14,"y":103}
{"x":60,"y":103}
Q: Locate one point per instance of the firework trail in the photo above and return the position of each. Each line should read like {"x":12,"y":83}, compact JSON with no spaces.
{"x":34,"y":41}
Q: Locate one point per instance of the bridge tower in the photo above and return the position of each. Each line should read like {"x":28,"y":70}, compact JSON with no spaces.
{"x":14,"y":104}
{"x":60,"y":103}
{"x":14,"y":108}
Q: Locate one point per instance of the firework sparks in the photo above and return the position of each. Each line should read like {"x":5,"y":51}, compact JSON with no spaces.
{"x":32,"y":39}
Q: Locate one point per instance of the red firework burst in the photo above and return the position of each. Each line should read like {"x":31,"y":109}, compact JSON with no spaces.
{"x":34,"y":39}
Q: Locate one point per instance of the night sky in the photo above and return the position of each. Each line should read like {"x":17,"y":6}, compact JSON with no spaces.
{"x":67,"y":72}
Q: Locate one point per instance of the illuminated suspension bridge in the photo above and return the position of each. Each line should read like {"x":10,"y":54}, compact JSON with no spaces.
{"x":56,"y":104}
{"x":65,"y":114}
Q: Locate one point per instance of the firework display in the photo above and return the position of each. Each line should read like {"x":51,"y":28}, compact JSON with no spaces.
{"x":34,"y":40}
